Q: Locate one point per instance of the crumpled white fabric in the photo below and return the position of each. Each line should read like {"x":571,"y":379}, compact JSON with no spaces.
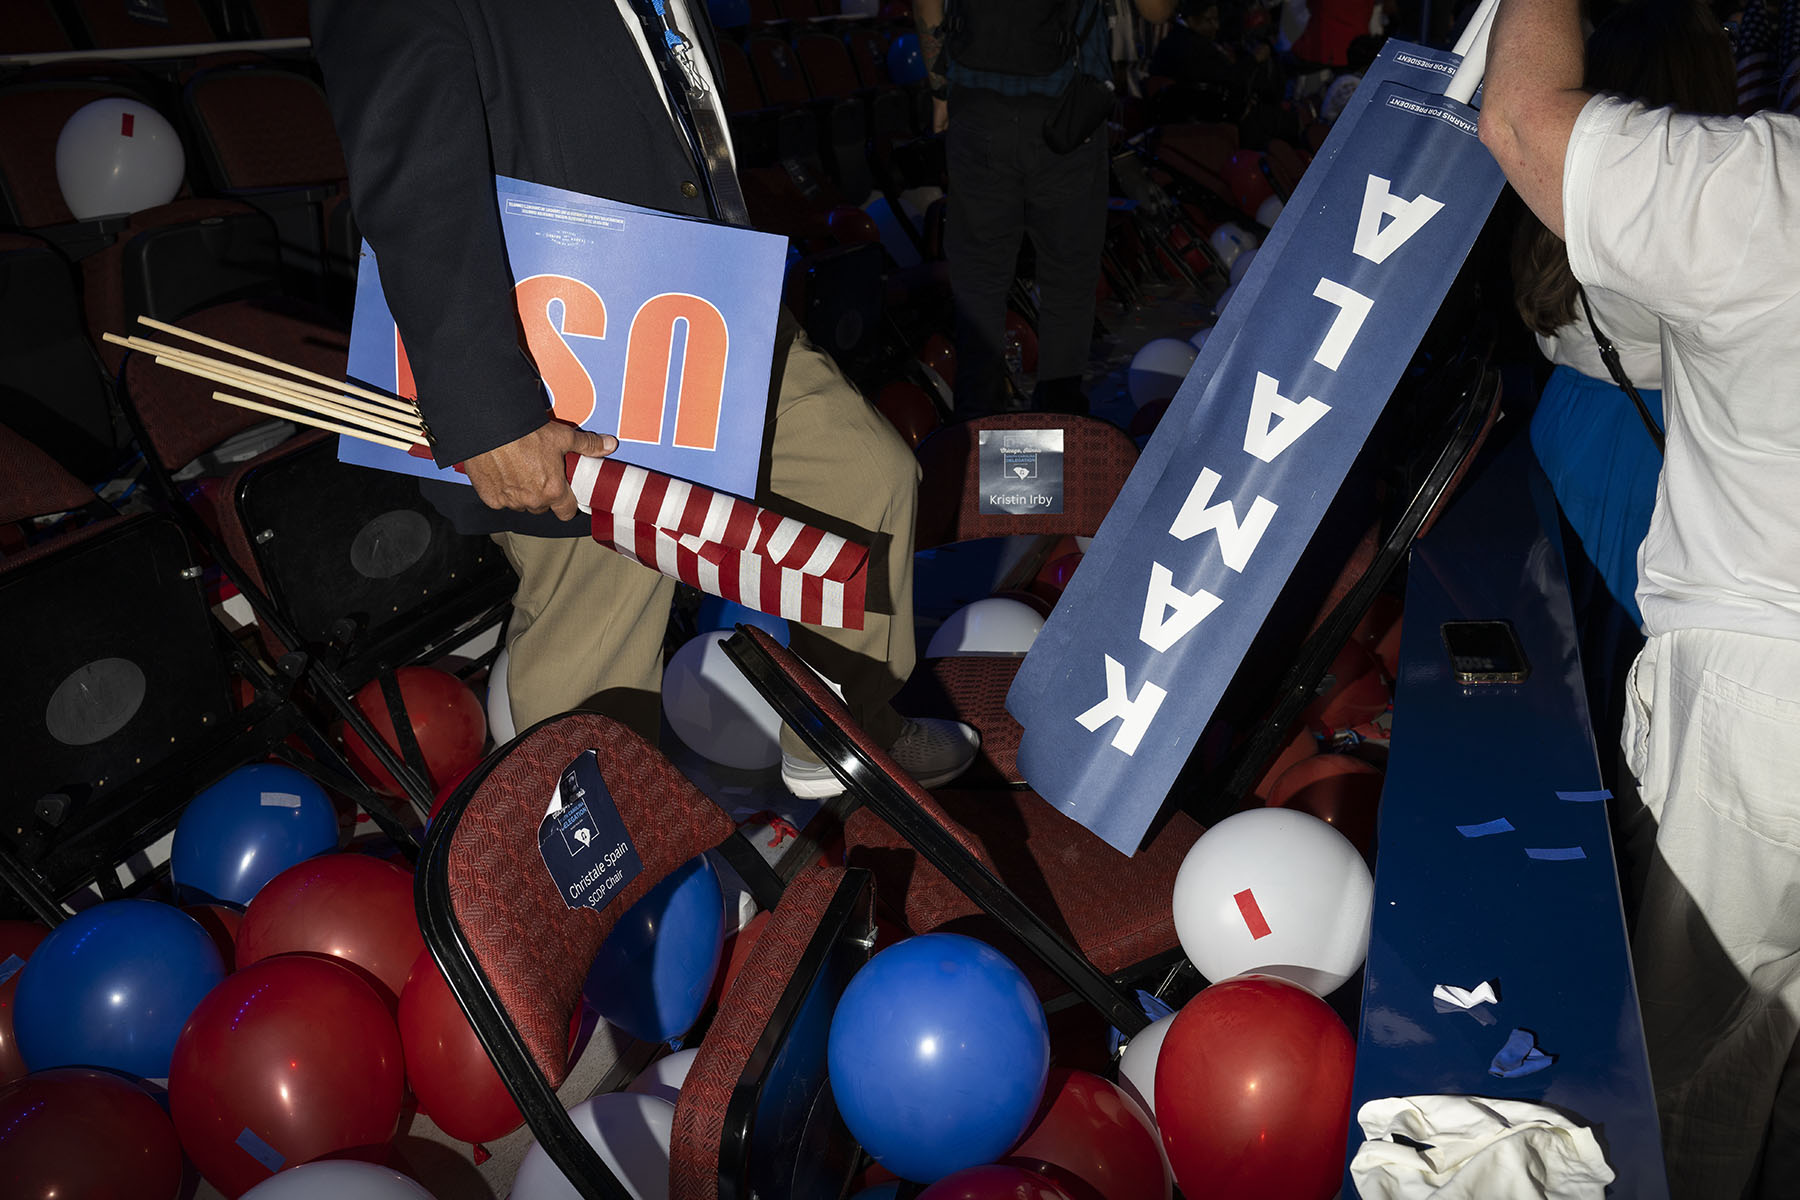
{"x":1481,"y":1149}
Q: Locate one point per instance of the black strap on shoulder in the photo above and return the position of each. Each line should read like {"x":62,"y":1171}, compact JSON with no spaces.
{"x":1080,"y":36}
{"x":1609,"y":354}
{"x":696,"y":106}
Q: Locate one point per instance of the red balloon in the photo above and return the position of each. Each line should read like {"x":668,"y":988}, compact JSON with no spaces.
{"x":1388,"y":650}
{"x":1145,"y":420}
{"x":286,"y":1061}
{"x":450,"y":1072}
{"x":1253,"y":1092}
{"x":1303,"y":745}
{"x":735,"y":954}
{"x":851,"y":226}
{"x":1357,"y":692}
{"x":443,"y":794}
{"x":1021,"y":335}
{"x":1054,"y":577}
{"x":1340,"y":790}
{"x":997,"y":1182}
{"x":75,"y":1132}
{"x":447,"y":719}
{"x":1093,"y":1141}
{"x":17,"y":940}
{"x":221,"y":922}
{"x":1248,"y":181}
{"x":910,"y":409}
{"x":940,"y":355}
{"x":349,"y":906}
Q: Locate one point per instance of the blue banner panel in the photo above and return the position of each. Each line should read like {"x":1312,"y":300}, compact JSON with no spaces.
{"x":1265,"y":427}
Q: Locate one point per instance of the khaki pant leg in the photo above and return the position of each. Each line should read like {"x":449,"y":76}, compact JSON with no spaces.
{"x":838,"y":463}
{"x":586,"y":632}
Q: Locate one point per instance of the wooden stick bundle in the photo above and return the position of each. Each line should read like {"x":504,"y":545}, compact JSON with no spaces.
{"x":337,"y":406}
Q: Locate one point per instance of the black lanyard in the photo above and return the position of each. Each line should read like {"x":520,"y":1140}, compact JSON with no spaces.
{"x":696,"y":110}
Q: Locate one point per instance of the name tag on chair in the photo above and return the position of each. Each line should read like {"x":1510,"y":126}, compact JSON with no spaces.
{"x":1021,"y":470}
{"x":583,"y":841}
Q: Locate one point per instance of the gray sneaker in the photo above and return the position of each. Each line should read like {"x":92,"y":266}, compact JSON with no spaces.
{"x":930,"y":749}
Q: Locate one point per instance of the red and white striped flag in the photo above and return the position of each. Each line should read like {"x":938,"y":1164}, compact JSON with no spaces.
{"x":723,"y":545}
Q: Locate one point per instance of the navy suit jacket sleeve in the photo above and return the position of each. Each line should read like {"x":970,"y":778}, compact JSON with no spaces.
{"x":407,"y":101}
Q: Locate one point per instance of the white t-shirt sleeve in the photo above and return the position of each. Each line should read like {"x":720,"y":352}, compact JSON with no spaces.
{"x":1683,"y":213}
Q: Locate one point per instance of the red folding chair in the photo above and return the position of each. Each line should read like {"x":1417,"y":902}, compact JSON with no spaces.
{"x":1002,"y":866}
{"x":754,"y":1116}
{"x":515,"y":954}
{"x":1097,"y":459}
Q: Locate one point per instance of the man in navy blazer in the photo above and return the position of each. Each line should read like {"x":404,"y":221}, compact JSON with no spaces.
{"x":431,"y":99}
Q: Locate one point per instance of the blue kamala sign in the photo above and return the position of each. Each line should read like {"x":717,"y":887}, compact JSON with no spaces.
{"x":1253,"y":449}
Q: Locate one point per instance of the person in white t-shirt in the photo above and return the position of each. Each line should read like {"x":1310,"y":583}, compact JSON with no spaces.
{"x":1698,"y":219}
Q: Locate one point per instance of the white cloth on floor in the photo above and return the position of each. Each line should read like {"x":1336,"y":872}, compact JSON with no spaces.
{"x":1475,"y":1148}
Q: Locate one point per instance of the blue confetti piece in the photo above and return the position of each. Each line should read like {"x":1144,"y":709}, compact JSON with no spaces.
{"x":1497,"y":825}
{"x":260,"y":1150}
{"x":1519,"y":1056}
{"x":1556,"y":853}
{"x":10,"y":967}
{"x":1585,"y":797}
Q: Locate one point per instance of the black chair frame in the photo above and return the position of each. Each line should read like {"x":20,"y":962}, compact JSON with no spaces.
{"x":475,"y":992}
{"x":331,"y":673}
{"x":150,"y":804}
{"x":865,"y":783}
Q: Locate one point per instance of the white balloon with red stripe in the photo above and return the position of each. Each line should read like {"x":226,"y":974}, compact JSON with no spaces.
{"x":117,"y":156}
{"x":1277,"y":892}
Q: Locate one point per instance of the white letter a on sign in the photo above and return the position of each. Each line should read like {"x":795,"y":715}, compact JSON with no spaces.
{"x":1275,"y":421}
{"x":1409,"y":216}
{"x":1162,"y":628}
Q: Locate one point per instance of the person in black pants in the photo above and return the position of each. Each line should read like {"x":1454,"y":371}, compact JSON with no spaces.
{"x":1006,"y":181}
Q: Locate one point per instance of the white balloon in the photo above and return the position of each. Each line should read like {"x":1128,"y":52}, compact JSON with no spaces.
{"x":740,"y":909}
{"x":1269,"y":211}
{"x":1230,"y":240}
{"x":337,"y":1180}
{"x":499,"y":701}
{"x":1223,"y":300}
{"x":1277,"y":892}
{"x":1137,"y":1066}
{"x":997,"y":627}
{"x":117,"y":156}
{"x":1241,"y":267}
{"x":1158,"y":368}
{"x":630,"y":1132}
{"x":1198,"y":341}
{"x":664,"y":1077}
{"x":715,"y":710}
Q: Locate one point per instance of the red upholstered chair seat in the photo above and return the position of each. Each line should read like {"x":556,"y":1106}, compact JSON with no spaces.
{"x":1116,"y":910}
{"x":533,"y":948}
{"x":1076,"y":907}
{"x":743,"y":1020}
{"x":974,"y":690}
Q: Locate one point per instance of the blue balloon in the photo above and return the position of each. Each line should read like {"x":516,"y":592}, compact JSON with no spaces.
{"x":938,"y":1055}
{"x":248,"y":828}
{"x":654,"y":970}
{"x":729,"y":14}
{"x":905,"y":62}
{"x":112,"y":987}
{"x":881,"y":1191}
{"x":716,"y":612}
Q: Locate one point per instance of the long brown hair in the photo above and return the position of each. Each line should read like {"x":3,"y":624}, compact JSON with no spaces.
{"x":1663,"y":52}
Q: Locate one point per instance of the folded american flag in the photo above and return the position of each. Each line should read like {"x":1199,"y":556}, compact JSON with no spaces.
{"x":723,"y":545}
